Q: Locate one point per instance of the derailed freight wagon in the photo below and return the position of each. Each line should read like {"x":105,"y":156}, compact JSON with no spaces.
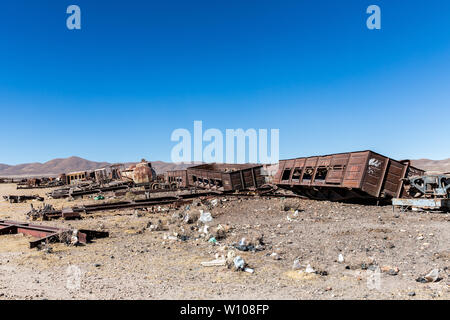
{"x":225,"y":177}
{"x":345,"y":176}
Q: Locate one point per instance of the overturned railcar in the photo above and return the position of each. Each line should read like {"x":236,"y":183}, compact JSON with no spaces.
{"x":345,"y":176}
{"x":225,"y":177}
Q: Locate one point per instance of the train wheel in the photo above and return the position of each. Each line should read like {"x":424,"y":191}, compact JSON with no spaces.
{"x":156,"y":186}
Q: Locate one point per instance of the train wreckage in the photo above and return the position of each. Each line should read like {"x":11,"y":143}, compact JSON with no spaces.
{"x":346,"y":176}
{"x":352,"y":176}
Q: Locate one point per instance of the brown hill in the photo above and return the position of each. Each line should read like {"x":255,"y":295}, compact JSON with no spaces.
{"x":52,"y":167}
{"x":432,"y":165}
{"x":4,"y":166}
{"x":58,"y":166}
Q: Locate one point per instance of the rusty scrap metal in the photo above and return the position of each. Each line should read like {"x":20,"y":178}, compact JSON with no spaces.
{"x":48,"y":212}
{"x":139,"y":173}
{"x":173,"y":201}
{"x":39,"y":183}
{"x":144,"y":173}
{"x":75,"y":212}
{"x":428,"y":186}
{"x":438,"y":204}
{"x":87,"y":189}
{"x":224,"y":177}
{"x":22,"y":198}
{"x":48,"y":234}
{"x":427,"y":192}
{"x":345,"y":176}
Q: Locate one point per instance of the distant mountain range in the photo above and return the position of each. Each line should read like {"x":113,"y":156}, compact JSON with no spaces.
{"x":441,"y":166}
{"x":57,"y":166}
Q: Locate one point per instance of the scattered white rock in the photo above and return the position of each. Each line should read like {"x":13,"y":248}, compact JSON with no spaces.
{"x":239,"y":263}
{"x":205,"y":217}
{"x":214,"y":263}
{"x":309,"y":269}
{"x":249,"y":270}
{"x":432,"y":276}
{"x":296,"y":265}
{"x":275,"y":256}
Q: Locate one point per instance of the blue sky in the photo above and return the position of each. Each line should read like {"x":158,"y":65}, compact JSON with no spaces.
{"x":137,"y":70}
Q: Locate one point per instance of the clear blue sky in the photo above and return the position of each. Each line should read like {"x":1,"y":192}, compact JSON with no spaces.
{"x":116,"y":89}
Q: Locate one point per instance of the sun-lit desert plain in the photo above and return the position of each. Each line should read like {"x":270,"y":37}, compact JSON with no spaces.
{"x":298,"y":249}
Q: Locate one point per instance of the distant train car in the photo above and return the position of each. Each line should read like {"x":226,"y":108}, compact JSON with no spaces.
{"x":76,"y":177}
{"x":225,"y":177}
{"x":176,"y":178}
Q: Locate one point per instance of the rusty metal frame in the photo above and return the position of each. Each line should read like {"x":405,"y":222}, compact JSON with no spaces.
{"x":47,"y":233}
{"x":356,"y":182}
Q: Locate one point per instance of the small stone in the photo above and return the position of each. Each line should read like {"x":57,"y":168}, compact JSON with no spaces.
{"x":309,"y":269}
{"x":275,"y":256}
{"x":411,"y":294}
{"x":296,"y":265}
{"x":392,"y":272}
{"x":432,"y":276}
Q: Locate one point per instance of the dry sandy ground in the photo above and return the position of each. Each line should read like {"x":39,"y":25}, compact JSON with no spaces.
{"x":138,"y":263}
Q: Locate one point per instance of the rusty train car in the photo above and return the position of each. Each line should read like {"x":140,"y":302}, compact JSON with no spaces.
{"x":177,"y":178}
{"x":345,"y":176}
{"x":220,"y":177}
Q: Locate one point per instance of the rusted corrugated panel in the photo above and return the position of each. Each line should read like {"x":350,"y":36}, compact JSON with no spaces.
{"x":355,"y":170}
{"x":393,"y":178}
{"x":277,"y":178}
{"x":374,"y":174}
{"x":177,"y":176}
{"x":338,"y":166}
{"x":324,"y":161}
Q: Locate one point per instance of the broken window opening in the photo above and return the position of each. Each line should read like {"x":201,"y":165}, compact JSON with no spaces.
{"x":286,"y":174}
{"x":307,"y":176}
{"x":297,"y":174}
{"x":321,"y":174}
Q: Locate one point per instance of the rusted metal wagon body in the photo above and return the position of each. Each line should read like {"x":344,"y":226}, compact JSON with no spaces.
{"x":179,"y":178}
{"x":345,"y":176}
{"x":225,"y":177}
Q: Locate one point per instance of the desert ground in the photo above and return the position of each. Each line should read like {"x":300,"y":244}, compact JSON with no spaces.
{"x":157,"y":254}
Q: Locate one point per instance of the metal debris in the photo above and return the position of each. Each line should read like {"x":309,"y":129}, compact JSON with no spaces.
{"x":345,"y":176}
{"x":48,"y":234}
{"x":20,"y":199}
{"x":427,"y":192}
